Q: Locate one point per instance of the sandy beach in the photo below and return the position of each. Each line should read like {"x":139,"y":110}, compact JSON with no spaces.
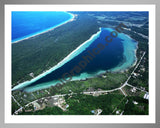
{"x":74,"y":53}
{"x":119,"y":68}
{"x":49,"y":29}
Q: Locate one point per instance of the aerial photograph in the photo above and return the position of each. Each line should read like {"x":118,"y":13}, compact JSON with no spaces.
{"x":80,"y":63}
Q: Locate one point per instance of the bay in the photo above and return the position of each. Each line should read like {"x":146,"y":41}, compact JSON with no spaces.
{"x":116,"y":56}
{"x":27,"y":24}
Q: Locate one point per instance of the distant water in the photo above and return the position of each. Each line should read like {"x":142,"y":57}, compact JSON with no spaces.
{"x":27,"y":23}
{"x":116,"y":56}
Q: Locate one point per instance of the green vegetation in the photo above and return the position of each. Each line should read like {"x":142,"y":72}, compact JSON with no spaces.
{"x":143,"y":31}
{"x":109,"y":104}
{"x":141,"y":80}
{"x":83,"y":105}
{"x":133,"y":92}
{"x":14,"y":106}
{"x":46,"y":111}
{"x":136,"y":109}
{"x":110,"y":81}
{"x":42,"y":52}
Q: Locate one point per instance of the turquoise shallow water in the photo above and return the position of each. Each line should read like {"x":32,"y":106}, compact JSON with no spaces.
{"x":26,"y":24}
{"x":116,"y":56}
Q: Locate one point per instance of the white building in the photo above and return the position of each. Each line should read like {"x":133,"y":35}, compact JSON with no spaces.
{"x":146,"y":96}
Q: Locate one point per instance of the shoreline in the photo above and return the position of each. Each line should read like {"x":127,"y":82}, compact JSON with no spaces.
{"x":61,"y":63}
{"x":122,"y":68}
{"x":46,"y":30}
{"x":118,"y":69}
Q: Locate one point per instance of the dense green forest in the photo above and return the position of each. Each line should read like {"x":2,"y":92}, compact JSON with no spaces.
{"x":42,"y":52}
{"x":84,"y":104}
{"x":38,"y":54}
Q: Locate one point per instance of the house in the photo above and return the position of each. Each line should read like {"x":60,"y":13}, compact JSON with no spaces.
{"x":146,"y":96}
{"x":133,"y":89}
{"x":135,"y":102}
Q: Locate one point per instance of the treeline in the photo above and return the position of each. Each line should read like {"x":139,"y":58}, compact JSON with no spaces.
{"x":142,"y":79}
{"x":39,"y":53}
{"x":83,"y":105}
{"x":136,"y":109}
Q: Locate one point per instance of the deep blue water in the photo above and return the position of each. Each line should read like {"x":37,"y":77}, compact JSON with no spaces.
{"x":108,"y":58}
{"x":27,"y":24}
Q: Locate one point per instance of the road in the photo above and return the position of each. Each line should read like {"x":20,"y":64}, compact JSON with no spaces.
{"x":92,"y":92}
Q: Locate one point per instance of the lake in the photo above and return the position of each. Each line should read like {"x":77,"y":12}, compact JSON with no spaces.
{"x":118,"y":55}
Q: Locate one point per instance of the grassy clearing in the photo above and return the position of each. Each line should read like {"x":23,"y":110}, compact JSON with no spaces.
{"x":112,"y":80}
